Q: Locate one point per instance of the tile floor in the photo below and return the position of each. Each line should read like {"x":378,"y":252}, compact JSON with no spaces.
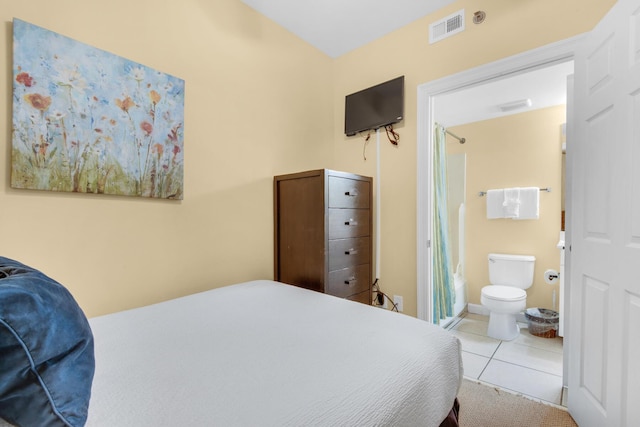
{"x":529,"y":365}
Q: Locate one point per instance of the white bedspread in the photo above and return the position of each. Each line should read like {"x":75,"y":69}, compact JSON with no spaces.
{"x":266,"y":354}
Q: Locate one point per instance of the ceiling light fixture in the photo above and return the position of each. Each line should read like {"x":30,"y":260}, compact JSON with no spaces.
{"x":515,"y":105}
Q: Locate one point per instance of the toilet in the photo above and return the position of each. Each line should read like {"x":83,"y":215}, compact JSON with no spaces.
{"x":505,"y":297}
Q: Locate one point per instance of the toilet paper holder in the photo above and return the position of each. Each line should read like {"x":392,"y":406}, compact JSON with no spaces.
{"x":551,"y":277}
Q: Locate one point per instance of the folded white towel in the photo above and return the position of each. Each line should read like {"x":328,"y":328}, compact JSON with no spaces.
{"x":511,"y":202}
{"x":529,"y":203}
{"x":495,"y":198}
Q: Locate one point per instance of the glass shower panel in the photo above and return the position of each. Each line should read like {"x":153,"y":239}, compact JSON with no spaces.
{"x":456,"y":169}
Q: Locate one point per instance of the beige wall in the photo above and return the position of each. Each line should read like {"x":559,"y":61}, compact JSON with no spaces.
{"x":511,"y":27}
{"x":258,"y":103}
{"x":521,"y":150}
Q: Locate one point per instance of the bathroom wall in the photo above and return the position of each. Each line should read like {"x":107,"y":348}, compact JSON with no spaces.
{"x":521,"y":150}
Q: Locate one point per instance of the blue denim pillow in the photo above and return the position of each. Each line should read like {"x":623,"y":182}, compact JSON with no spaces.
{"x":46,"y":350}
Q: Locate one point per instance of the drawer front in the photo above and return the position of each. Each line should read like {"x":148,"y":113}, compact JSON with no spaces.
{"x":348,"y":193}
{"x":346,"y":223}
{"x":345,"y":253}
{"x":349,"y":281}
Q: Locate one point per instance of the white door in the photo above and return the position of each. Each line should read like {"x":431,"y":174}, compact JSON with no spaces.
{"x":604,"y":311}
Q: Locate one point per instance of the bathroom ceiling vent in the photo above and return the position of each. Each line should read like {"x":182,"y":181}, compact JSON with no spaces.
{"x":446,"y":27}
{"x":515,"y":105}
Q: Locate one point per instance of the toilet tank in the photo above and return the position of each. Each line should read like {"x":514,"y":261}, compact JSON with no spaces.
{"x":511,"y":270}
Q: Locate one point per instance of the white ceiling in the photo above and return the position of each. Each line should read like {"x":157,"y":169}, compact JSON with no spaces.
{"x":338,"y":26}
{"x":545,"y":87}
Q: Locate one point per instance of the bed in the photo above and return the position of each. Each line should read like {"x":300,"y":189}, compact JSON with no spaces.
{"x":263,"y":353}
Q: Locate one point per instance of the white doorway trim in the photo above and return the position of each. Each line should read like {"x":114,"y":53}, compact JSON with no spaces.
{"x":537,"y":58}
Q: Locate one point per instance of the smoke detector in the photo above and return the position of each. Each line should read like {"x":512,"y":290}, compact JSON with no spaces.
{"x":479,"y":17}
{"x":446,"y":27}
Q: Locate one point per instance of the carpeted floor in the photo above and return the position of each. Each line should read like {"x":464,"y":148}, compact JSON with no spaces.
{"x":483,"y":405}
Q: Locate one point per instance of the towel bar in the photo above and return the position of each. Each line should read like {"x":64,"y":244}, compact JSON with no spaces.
{"x":484,"y":193}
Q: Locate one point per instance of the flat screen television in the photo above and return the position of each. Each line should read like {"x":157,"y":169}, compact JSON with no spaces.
{"x":374,"y":107}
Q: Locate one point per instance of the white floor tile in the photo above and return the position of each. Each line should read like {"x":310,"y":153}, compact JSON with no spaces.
{"x":528,"y":365}
{"x":472,"y":326}
{"x":530,"y":382}
{"x":473,"y":364}
{"x":551,"y":344}
{"x":530,"y":357}
{"x":478,"y":344}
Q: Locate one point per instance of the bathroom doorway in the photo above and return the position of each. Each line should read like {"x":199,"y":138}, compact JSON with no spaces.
{"x":427,"y":94}
{"x":430,"y":99}
{"x":513,"y":130}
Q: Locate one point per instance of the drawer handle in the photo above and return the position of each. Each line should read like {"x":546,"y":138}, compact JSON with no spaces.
{"x":351,"y":281}
{"x":351,"y":252}
{"x":351,"y":193}
{"x":351,"y":222}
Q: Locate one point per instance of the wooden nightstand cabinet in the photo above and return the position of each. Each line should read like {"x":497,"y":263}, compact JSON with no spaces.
{"x":323,"y":232}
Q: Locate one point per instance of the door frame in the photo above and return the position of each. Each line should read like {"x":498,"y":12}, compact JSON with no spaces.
{"x":541,"y":57}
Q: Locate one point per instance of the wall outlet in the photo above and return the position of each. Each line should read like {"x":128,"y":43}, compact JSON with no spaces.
{"x":397,"y":300}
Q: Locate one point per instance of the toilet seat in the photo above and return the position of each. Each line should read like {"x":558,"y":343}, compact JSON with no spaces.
{"x":503,"y":293}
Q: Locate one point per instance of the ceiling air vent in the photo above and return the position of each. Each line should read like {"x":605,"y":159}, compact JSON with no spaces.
{"x":446,"y":27}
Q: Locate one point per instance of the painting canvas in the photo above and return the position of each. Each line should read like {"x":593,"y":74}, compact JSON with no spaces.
{"x":88,"y":121}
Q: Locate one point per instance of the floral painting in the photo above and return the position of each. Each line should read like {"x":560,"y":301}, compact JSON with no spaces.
{"x":88,"y":121}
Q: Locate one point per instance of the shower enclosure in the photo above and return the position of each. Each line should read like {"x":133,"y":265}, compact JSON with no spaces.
{"x":456,"y":176}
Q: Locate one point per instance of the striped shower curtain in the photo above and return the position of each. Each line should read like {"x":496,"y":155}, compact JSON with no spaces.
{"x":442,"y":276}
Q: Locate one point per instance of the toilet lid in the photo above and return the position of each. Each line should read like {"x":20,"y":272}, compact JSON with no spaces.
{"x":504,"y":293}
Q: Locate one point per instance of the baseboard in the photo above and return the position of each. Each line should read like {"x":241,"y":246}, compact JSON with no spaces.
{"x":481,"y":310}
{"x":477,"y":309}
